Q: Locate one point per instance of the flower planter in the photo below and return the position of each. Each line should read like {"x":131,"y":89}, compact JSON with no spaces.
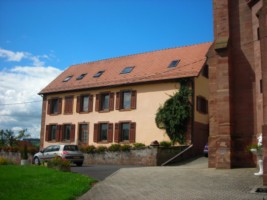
{"x":24,"y":162}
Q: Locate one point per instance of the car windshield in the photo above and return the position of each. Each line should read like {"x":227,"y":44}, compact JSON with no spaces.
{"x":70,"y":148}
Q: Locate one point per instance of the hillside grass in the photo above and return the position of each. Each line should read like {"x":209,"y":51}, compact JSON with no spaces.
{"x":41,"y":183}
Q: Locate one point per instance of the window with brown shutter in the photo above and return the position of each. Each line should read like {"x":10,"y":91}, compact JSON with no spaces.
{"x":104,"y":102}
{"x":72,"y":133}
{"x":132,"y":132}
{"x":51,"y":133}
{"x":97,"y":103}
{"x":59,"y":105}
{"x":110,"y":132}
{"x":49,"y":102}
{"x":83,"y":133}
{"x":202,"y":105}
{"x":133,"y":99}
{"x":84,"y":103}
{"x":126,"y":100}
{"x":103,"y":132}
{"x":118,"y":100}
{"x":54,"y":106}
{"x":125,"y":132}
{"x":111,"y":101}
{"x":96,"y":133}
{"x":68,"y":108}
{"x":78,"y":104}
{"x":117,"y":133}
{"x":65,"y":136}
{"x":47,"y":136}
{"x":58,"y":133}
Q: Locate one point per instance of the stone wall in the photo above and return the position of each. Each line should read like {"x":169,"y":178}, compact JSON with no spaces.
{"x":151,"y":156}
{"x":143,"y":157}
{"x":14,"y":156}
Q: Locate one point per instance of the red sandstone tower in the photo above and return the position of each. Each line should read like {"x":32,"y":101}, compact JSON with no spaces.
{"x":238,"y":83}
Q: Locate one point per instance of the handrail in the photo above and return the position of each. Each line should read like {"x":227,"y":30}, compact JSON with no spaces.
{"x":163,"y":164}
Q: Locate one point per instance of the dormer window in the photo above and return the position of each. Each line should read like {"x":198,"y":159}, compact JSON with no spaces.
{"x":173,"y":64}
{"x":98,"y":74}
{"x":81,"y":76}
{"x":127,"y":70}
{"x":67,"y":78}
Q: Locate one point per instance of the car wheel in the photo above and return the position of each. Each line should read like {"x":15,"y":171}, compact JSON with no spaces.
{"x":79,"y":164}
{"x":36,"y":161}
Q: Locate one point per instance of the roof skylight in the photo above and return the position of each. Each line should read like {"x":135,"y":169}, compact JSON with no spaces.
{"x":98,"y":74}
{"x":81,"y":76}
{"x":67,"y":78}
{"x":127,"y":70}
{"x":173,"y":64}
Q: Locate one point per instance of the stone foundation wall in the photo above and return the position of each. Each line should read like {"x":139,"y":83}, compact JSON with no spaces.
{"x":143,"y":157}
{"x":14,"y":156}
{"x":151,"y":156}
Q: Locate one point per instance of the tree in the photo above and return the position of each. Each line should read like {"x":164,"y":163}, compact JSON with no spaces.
{"x":9,"y":138}
{"x":174,"y":115}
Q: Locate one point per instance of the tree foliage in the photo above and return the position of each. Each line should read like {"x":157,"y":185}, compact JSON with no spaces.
{"x":174,"y":115}
{"x":9,"y":138}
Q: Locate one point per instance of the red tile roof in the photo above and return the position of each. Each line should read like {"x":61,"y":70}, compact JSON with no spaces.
{"x":150,"y":66}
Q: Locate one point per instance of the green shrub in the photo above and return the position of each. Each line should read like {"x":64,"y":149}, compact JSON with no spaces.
{"x":82,"y":148}
{"x":5,"y":161}
{"x":101,"y":149}
{"x":59,"y":164}
{"x":139,"y":145}
{"x":114,"y":147}
{"x":126,"y":147}
{"x":90,"y":149}
{"x":165,"y":144}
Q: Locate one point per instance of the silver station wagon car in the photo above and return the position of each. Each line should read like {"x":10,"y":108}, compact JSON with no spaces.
{"x":65,"y":151}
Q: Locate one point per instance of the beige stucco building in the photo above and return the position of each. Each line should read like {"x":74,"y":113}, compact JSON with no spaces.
{"x":116,"y":100}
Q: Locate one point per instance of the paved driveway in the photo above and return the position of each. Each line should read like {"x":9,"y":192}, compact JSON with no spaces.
{"x":192,"y":180}
{"x":99,"y":172}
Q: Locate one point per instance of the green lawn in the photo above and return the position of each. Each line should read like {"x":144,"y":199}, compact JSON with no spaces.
{"x":37,"y":182}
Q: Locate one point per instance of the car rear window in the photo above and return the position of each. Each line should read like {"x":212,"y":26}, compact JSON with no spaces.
{"x":70,"y":148}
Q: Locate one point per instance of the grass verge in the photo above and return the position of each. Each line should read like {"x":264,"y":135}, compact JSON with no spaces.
{"x":38,"y":183}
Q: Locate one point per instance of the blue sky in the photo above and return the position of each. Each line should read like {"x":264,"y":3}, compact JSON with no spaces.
{"x":40,"y":38}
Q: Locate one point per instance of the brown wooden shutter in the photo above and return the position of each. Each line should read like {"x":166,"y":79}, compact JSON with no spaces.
{"x":70,"y":105}
{"x":62,"y":129}
{"x":117,"y":133}
{"x":111,"y":101}
{"x":110,"y":132}
{"x":49,"y":106}
{"x":72,"y":133}
{"x":118,"y":100}
{"x":96,"y":133}
{"x":59,"y":105}
{"x":133,"y":100}
{"x":47,"y":128}
{"x":97,"y":103}
{"x":91,"y":103}
{"x":58,"y":131}
{"x":78,"y":105}
{"x":132,"y":132}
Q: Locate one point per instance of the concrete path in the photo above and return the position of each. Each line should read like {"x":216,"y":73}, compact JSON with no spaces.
{"x":193,"y":180}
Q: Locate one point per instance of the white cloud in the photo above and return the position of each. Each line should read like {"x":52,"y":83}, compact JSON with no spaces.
{"x":18,"y":87}
{"x":12,"y":56}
